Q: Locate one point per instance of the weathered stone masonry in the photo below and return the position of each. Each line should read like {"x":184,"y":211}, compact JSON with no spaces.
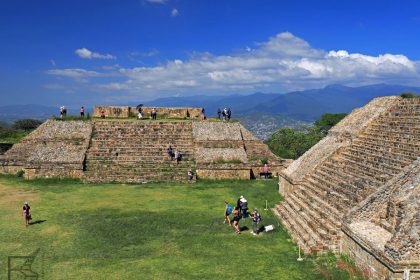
{"x":135,"y":151}
{"x":357,"y":190}
{"x":131,"y":112}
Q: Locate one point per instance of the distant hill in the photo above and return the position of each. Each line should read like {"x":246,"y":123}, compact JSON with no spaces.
{"x":306,"y":105}
{"x":262,"y":113}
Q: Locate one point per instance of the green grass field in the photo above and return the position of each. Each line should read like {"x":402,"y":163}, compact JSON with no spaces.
{"x":150,"y":231}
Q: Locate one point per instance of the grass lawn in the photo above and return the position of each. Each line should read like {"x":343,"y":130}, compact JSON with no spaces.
{"x":150,"y":231}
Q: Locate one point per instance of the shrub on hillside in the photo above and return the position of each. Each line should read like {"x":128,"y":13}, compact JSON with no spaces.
{"x":26,"y":124}
{"x":409,"y":95}
{"x":292,"y":143}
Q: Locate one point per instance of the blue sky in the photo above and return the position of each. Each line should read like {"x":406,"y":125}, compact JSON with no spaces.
{"x":128,"y":51}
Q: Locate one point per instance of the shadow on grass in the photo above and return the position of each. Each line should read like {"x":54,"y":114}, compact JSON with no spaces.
{"x":37,"y":222}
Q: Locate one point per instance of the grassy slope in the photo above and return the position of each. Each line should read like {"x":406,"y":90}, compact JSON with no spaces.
{"x":153,"y":231}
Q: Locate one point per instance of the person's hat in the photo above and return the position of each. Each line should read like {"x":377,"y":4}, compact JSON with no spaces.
{"x":26,"y":202}
{"x":241,"y":196}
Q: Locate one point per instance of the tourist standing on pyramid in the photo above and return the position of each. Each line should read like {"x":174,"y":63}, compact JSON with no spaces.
{"x":219,"y":113}
{"x":154,"y":114}
{"x":82,"y":112}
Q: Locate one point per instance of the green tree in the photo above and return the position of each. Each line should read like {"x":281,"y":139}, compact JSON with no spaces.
{"x":327,"y":121}
{"x":289,"y":143}
{"x":26,"y":124}
{"x":292,"y":143}
{"x":409,"y":95}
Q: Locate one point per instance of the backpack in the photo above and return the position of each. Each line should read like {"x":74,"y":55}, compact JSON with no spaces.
{"x":257,"y":217}
{"x":229,"y":209}
{"x":244,"y":205}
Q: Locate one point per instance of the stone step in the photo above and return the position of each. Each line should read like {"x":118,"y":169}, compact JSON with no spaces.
{"x":400,"y":159}
{"x":303,"y":240}
{"x":337,"y":168}
{"x":337,"y":184}
{"x":320,"y":206}
{"x":381,"y":148}
{"x":393,"y":133}
{"x":352,"y":168}
{"x":313,"y":195}
{"x":316,"y":221}
{"x":377,"y":167}
{"x":333,"y":198}
{"x":304,"y":223}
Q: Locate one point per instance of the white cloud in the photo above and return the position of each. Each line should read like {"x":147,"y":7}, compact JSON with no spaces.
{"x":85,"y":53}
{"x":174,"y":12}
{"x":74,"y":73}
{"x":283,"y":62}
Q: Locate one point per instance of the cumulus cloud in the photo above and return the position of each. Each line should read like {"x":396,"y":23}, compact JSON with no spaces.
{"x":283,"y":62}
{"x":87,"y":54}
{"x":174,"y":12}
{"x":74,"y":73}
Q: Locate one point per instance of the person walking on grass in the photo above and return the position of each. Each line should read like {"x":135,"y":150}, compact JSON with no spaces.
{"x":256,"y":219}
{"x":236,"y":218}
{"x":243,"y":204}
{"x":228,"y":211}
{"x":26,"y":213}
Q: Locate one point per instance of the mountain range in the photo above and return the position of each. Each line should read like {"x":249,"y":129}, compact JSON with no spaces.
{"x":307,"y":105}
{"x":262,"y":113}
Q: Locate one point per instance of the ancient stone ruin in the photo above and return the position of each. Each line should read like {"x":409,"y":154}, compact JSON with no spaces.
{"x":162,"y":112}
{"x":129,"y":150}
{"x":358,"y":190}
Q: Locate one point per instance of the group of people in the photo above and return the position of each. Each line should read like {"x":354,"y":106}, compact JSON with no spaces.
{"x":177,"y":156}
{"x":153,"y":113}
{"x":241,"y":212}
{"x":226,"y":113}
{"x":63,"y":112}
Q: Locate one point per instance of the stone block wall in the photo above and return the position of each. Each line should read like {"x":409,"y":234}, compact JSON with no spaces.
{"x":56,"y":148}
{"x":135,"y":151}
{"x":170,"y":113}
{"x":228,"y":150}
{"x":162,"y":112}
{"x":223,"y":174}
{"x":112,"y":111}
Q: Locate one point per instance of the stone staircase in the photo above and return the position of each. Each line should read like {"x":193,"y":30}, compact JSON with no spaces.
{"x":313,"y":211}
{"x":127,"y":151}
